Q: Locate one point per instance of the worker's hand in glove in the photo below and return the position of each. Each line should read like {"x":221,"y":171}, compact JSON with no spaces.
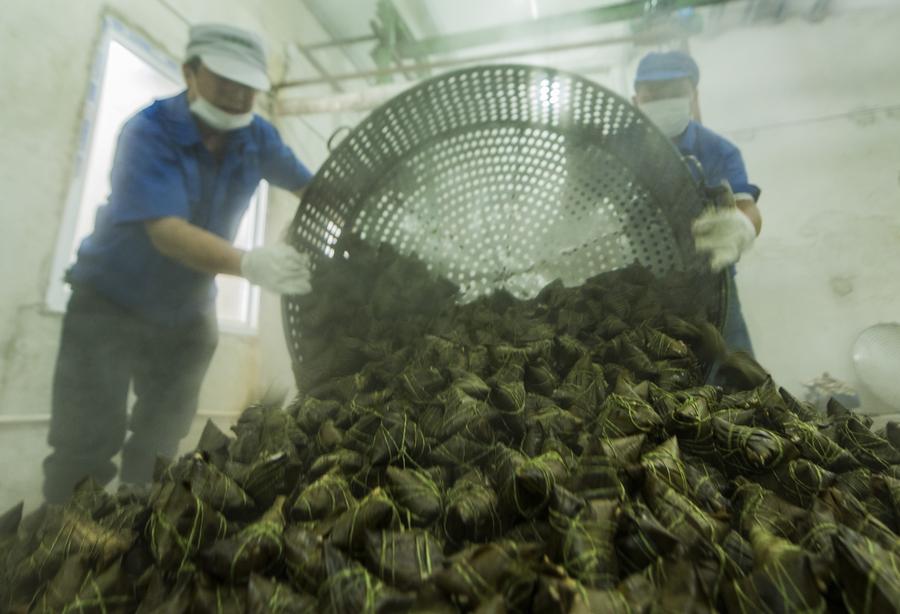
{"x":724,"y":234}
{"x":278,"y":268}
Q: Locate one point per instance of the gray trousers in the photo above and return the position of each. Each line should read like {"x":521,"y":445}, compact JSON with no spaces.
{"x":105,"y":348}
{"x":737,"y":337}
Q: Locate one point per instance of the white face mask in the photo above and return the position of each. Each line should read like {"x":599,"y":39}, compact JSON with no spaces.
{"x":217,"y":118}
{"x":671,"y":115}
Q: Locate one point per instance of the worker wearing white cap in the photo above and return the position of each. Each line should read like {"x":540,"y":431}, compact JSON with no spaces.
{"x":665,"y":89}
{"x":142,"y":311}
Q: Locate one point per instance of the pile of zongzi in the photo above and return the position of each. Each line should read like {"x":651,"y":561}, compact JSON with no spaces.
{"x":561,"y":454}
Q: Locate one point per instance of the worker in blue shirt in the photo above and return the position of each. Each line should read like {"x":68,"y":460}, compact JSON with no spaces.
{"x":665,"y":89}
{"x":142,"y":310}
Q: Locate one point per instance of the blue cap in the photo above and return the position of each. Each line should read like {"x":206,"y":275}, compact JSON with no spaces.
{"x":657,"y":66}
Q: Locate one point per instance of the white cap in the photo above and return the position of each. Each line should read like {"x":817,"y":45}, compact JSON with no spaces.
{"x":230,"y":52}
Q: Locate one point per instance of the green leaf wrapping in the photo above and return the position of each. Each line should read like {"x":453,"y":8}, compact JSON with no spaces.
{"x":254,"y":549}
{"x":621,"y":416}
{"x":416,"y":494}
{"x":588,"y":550}
{"x":375,"y":512}
{"x":784,"y":579}
{"x":472,"y":509}
{"x":868,"y":574}
{"x":405,"y":559}
{"x":327,"y":496}
{"x":181,"y":525}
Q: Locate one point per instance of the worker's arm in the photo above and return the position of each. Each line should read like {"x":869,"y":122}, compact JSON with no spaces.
{"x":745,"y":193}
{"x":279,"y":166}
{"x":194,"y":247}
{"x":748,"y":207}
{"x":278,"y":268}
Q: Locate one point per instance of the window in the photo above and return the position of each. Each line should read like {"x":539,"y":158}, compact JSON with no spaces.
{"x":129,"y":73}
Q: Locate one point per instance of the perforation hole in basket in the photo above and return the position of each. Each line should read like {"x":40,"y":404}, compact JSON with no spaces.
{"x":490,"y":184}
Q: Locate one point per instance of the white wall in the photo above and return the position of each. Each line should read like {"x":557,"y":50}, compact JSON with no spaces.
{"x":49,"y":47}
{"x":815,"y":109}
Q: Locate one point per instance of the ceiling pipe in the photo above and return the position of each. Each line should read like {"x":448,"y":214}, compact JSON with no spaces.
{"x":406,"y":48}
{"x":623,"y":11}
{"x":646,"y":38}
{"x":340,"y":42}
{"x":364,"y":100}
{"x":326,"y":76}
{"x":310,"y":56}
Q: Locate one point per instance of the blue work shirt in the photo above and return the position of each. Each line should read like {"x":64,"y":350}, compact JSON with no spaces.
{"x":162,"y":169}
{"x":719,"y":158}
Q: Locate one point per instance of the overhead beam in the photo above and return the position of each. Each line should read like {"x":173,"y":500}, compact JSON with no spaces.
{"x":326,"y":76}
{"x":392,"y":31}
{"x":642,"y":38}
{"x":340,"y":42}
{"x":316,"y":12}
{"x":545,"y":25}
{"x":369,"y":98}
{"x":362,"y":100}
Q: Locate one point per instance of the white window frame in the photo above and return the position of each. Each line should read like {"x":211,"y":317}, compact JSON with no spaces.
{"x":249,"y":325}
{"x":58,"y":291}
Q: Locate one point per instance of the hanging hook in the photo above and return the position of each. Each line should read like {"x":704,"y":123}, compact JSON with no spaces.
{"x":337,"y":137}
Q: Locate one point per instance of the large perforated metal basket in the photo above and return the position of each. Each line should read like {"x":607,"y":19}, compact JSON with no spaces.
{"x":505,"y":176}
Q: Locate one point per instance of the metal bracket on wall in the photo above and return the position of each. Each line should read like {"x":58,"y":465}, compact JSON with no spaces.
{"x":392,"y":32}
{"x":396,"y":42}
{"x":405,"y":46}
{"x":668,"y":13}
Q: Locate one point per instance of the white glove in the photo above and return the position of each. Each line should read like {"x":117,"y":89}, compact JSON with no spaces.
{"x":278,"y":268}
{"x":725,"y":234}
